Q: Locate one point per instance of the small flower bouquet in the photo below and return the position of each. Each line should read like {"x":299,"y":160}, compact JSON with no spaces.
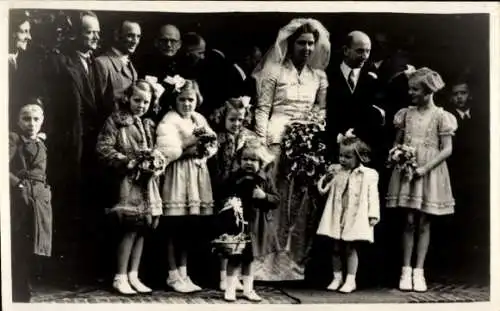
{"x":233,"y":244}
{"x":304,"y":149}
{"x":404,"y":159}
{"x":150,"y":162}
{"x":207,"y":142}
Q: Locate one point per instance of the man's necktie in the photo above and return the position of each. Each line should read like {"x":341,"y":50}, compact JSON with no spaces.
{"x":350,"y":80}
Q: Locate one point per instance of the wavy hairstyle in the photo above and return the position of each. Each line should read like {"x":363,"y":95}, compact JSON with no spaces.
{"x":220,"y":114}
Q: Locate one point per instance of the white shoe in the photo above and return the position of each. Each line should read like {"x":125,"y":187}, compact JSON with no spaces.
{"x":252,"y":296}
{"x":336,"y":282}
{"x":193,"y":287}
{"x":349,"y":285}
{"x":405,"y":282}
{"x":230,"y":292}
{"x":419,"y":284}
{"x":138,"y":285}
{"x":178,"y":285}
{"x":123,"y":287}
{"x":229,"y":295}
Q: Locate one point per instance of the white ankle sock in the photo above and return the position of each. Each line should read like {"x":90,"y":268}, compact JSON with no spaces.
{"x":337,"y":275}
{"x":183,"y":271}
{"x":350,"y":278}
{"x":120,"y":277}
{"x":247,"y":283}
{"x":133,"y":275}
{"x":223,"y":275}
{"x":173,"y":274}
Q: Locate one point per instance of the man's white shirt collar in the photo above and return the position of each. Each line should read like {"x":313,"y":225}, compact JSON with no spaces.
{"x":346,"y":70}
{"x":463,"y":113}
{"x":123,"y":57}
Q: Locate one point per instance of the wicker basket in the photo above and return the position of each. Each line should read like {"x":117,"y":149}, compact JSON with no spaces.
{"x":230,"y":248}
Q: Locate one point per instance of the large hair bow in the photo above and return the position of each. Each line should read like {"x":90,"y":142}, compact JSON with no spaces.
{"x":348,"y":134}
{"x":177,"y":81}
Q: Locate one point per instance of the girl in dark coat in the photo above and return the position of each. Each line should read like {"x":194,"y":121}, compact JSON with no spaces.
{"x":253,"y":188}
{"x":137,"y":202}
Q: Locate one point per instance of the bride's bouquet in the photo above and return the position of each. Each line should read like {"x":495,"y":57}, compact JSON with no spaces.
{"x":304,"y":148}
{"x":403,"y":158}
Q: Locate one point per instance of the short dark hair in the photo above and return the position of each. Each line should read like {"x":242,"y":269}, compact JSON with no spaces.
{"x":17,"y":18}
{"x":32,"y":101}
{"x":191,"y":39}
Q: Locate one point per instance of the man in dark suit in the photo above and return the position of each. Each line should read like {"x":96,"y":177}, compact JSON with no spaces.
{"x":352,"y":96}
{"x":209,"y":67}
{"x":469,"y":167}
{"x":118,"y":71}
{"x":163,"y":61}
{"x":75,"y":113}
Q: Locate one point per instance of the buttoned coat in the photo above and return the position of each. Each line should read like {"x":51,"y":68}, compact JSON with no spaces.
{"x":351,"y":222}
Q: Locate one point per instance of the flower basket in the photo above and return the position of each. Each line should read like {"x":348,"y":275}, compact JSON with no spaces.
{"x":231,"y":244}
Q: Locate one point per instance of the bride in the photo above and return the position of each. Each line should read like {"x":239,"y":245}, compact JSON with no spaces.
{"x":291,"y":84}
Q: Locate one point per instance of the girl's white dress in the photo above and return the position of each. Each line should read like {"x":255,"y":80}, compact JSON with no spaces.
{"x":431,"y":193}
{"x":187,"y":188}
{"x":352,"y":200}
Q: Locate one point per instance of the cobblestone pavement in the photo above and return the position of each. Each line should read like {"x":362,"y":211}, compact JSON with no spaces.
{"x":208,"y":296}
{"x":437,"y":293}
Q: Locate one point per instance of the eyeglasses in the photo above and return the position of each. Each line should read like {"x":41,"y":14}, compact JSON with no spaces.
{"x":166,"y":41}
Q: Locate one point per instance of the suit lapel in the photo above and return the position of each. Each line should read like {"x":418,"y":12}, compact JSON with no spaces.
{"x":81,"y":79}
{"x":120,"y":67}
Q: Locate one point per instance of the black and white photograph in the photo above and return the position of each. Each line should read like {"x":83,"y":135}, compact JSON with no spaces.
{"x":231,"y":153}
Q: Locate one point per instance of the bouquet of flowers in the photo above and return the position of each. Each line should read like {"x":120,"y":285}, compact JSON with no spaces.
{"x":404,"y":159}
{"x":207,"y":142}
{"x":233,"y":244}
{"x":304,"y":149}
{"x":149,"y":163}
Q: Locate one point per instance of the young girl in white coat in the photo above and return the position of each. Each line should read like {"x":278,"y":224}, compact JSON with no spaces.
{"x":352,"y":208}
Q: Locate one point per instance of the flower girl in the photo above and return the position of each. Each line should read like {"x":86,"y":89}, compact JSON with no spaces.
{"x":126,"y":144}
{"x":352,"y":208}
{"x":186,"y":140}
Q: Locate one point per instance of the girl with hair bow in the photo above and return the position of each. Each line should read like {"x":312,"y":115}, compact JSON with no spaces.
{"x":352,"y":208}
{"x":429,"y":129}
